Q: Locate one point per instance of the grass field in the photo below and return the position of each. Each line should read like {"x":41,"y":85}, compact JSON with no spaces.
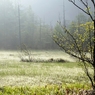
{"x":44,"y":76}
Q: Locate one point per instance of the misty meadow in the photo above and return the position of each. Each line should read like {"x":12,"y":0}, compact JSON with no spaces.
{"x":47,"y":47}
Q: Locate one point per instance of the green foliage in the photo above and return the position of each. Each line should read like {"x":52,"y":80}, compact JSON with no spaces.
{"x":77,"y":40}
{"x":44,"y":90}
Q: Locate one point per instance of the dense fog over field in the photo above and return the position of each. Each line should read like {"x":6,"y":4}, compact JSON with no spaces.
{"x":31,"y":23}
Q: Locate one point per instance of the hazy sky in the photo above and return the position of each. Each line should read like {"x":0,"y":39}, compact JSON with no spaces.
{"x":51,"y":10}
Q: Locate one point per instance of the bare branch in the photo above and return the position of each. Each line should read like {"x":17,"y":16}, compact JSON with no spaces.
{"x":93,"y":2}
{"x":86,"y":5}
{"x":78,"y":6}
{"x":74,"y":40}
{"x":78,"y":57}
{"x":60,"y":43}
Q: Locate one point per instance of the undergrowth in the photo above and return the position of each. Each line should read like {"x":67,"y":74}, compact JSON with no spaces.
{"x":64,"y":89}
{"x":24,"y":78}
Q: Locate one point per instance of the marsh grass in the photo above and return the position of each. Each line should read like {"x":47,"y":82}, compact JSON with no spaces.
{"x":23,"y":73}
{"x":40,"y":78}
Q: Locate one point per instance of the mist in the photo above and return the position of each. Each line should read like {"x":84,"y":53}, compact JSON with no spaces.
{"x":32,"y":23}
{"x":51,"y":10}
{"x":47,"y":47}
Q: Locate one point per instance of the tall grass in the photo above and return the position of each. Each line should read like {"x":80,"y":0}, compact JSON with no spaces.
{"x":40,"y":78}
{"x":23,"y":73}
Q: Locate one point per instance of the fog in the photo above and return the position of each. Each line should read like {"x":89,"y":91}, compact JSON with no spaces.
{"x":51,"y":10}
{"x":32,"y":23}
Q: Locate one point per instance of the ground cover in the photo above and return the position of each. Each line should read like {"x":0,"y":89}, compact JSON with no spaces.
{"x":41,"y":78}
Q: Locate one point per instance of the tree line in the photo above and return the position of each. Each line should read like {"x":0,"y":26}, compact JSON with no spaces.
{"x":35,"y":34}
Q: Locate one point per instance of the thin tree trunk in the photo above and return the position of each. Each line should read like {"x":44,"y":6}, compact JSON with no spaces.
{"x":94,"y":80}
{"x":94,"y":55}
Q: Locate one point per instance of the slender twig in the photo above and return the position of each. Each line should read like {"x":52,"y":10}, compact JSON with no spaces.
{"x":87,"y":12}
